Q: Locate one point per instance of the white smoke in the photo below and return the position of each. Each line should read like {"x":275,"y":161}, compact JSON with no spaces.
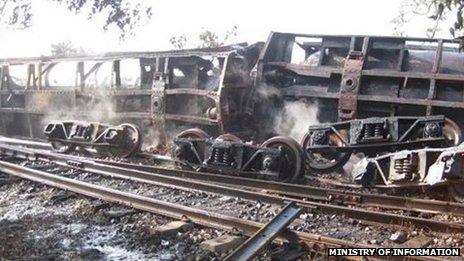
{"x":267,"y":91}
{"x":97,"y":109}
{"x":295,"y":118}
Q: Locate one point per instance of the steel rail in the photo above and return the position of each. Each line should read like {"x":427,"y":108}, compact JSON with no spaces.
{"x":301,"y":191}
{"x":315,"y":242}
{"x":376,"y":217}
{"x":338,"y":196}
{"x":176,"y":211}
{"x":311,"y":192}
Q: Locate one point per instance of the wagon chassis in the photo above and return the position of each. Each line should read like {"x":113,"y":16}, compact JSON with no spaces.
{"x":337,"y":141}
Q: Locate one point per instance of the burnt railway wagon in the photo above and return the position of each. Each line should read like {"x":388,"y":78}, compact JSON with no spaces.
{"x":204,"y":88}
{"x":364,"y":76}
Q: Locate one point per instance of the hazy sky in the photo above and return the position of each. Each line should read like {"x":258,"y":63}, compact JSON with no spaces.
{"x":255,"y":19}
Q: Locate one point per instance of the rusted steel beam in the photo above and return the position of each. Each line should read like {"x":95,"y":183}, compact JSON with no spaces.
{"x":306,"y":91}
{"x":30,"y":76}
{"x":221,"y":51}
{"x":94,"y":68}
{"x":251,"y":247}
{"x":435,"y":69}
{"x":326,"y":72}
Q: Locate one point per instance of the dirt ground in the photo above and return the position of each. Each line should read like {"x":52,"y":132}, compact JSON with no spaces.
{"x":42,"y":223}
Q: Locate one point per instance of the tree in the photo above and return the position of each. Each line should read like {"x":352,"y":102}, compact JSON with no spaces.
{"x":442,"y":8}
{"x":207,"y":39}
{"x":122,"y":14}
{"x":437,"y":11}
{"x":178,"y":41}
{"x":66,"y":48}
{"x":411,"y":9}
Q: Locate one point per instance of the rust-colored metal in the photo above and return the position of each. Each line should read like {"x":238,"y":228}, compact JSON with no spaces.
{"x":257,"y":242}
{"x":351,"y":83}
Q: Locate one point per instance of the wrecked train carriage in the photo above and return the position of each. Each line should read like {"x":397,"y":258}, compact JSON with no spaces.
{"x":408,"y":168}
{"x":65,"y":136}
{"x":155,"y":90}
{"x":329,"y":146}
{"x":363,"y":76}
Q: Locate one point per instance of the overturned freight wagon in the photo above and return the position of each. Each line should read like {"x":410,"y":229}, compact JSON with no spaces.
{"x":365,"y":76}
{"x":394,"y":79}
{"x":157,"y":91}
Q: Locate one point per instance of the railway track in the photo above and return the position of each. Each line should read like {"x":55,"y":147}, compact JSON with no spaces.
{"x":220,"y":184}
{"x":195,"y":215}
{"x":339,"y":196}
{"x":315,"y":242}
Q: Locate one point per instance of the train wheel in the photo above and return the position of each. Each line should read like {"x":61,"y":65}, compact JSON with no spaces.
{"x":131,"y":143}
{"x":200,"y":147}
{"x":452,"y":133}
{"x":328,"y":160}
{"x":194,"y":133}
{"x":62,"y":147}
{"x":293,"y":154}
{"x":229,"y":137}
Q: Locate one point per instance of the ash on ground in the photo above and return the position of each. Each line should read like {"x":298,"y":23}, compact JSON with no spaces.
{"x":39,"y":222}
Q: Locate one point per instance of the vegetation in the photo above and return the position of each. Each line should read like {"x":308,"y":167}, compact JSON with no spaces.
{"x":437,"y":10}
{"x":125,"y":15}
{"x":207,"y":39}
{"x":66,"y":48}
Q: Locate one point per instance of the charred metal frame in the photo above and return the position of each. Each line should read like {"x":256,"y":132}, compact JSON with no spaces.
{"x":422,"y":167}
{"x":365,"y":76}
{"x":66,"y":135}
{"x":229,"y":157}
{"x":155,"y":96}
{"x":374,"y":135}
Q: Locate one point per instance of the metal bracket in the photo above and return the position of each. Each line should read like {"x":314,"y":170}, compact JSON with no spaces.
{"x":349,"y":89}
{"x":266,"y":234}
{"x":158,"y":104}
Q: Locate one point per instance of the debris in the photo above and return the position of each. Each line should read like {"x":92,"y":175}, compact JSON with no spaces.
{"x":353,"y":221}
{"x":119,"y":213}
{"x":172,"y":228}
{"x":226,"y":199}
{"x":419,"y":241}
{"x":252,"y":246}
{"x":398,"y":237}
{"x":61,"y":196}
